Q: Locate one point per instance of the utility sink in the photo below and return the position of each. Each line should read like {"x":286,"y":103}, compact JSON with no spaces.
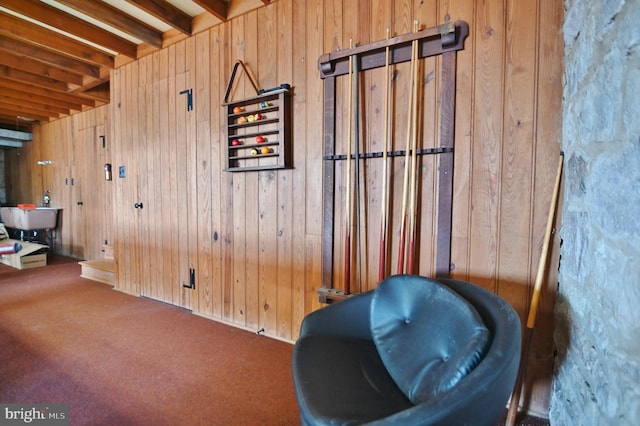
{"x":29,"y":220}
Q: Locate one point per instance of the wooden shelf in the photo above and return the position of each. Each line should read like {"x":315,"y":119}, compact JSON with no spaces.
{"x":275,"y":128}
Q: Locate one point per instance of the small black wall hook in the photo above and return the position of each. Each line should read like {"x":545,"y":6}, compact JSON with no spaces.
{"x":189,"y":93}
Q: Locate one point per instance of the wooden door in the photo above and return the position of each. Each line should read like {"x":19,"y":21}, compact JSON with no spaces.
{"x":154,"y":137}
{"x":167,"y":224}
{"x":170,"y":225}
{"x":187,"y":224}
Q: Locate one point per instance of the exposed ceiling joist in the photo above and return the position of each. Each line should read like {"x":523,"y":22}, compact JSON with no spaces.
{"x":41,"y":37}
{"x":56,"y":55}
{"x":21,"y":62}
{"x":56,"y":18}
{"x":109,"y":15}
{"x":166,"y":12}
{"x":50,"y":57}
{"x":54,"y":97}
{"x":217,"y":8}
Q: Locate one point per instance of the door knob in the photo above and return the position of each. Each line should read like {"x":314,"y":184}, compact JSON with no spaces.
{"x":138,"y":205}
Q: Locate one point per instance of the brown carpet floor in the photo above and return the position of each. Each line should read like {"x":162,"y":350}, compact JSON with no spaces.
{"x":122,"y":360}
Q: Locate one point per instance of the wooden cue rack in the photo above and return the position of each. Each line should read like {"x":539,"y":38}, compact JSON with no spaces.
{"x":444,"y":40}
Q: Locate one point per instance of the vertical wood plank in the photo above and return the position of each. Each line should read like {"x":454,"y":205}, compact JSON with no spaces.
{"x":177,"y":110}
{"x":116,"y":134}
{"x":217,"y":160}
{"x":203,"y":168}
{"x":517,"y":156}
{"x":191,"y":160}
{"x":460,"y":239}
{"x":285,"y":201}
{"x":134,"y":183}
{"x":159,"y":134}
{"x":256,"y":45}
{"x":298,"y":189}
{"x":182,"y":174}
{"x":123,"y":200}
{"x":314,"y":149}
{"x":487,"y":146}
{"x":160,"y":149}
{"x":145,"y":108}
{"x":268,"y":185}
{"x":227,"y":196}
{"x":239,"y":259}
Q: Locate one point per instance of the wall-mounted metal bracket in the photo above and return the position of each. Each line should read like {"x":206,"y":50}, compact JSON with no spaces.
{"x":192,"y":279}
{"x":189,"y":93}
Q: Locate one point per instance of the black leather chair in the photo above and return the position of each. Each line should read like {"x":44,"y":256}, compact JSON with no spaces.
{"x":414,"y":351}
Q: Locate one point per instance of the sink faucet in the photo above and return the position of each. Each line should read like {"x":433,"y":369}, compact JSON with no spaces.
{"x":46,"y":199}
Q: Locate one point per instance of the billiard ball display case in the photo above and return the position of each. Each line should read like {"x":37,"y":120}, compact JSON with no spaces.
{"x":259,"y":132}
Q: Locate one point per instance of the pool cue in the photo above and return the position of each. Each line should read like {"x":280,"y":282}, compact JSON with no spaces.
{"x":347,"y":221}
{"x":382,"y":259}
{"x":533,"y":308}
{"x":407,"y":164}
{"x":356,"y":142}
{"x":413,"y":208}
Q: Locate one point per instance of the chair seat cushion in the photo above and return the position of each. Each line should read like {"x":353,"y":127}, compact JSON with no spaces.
{"x":428,"y":337}
{"x":343,"y":381}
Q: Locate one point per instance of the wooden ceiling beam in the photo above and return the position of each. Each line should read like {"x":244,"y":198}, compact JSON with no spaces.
{"x":113,"y":17}
{"x":42,"y":54}
{"x":46,"y":100}
{"x":54,"y":94}
{"x":30,"y":103}
{"x":99,"y":92}
{"x":56,"y":18}
{"x":19,"y":111}
{"x":38,"y":68}
{"x":36,"y":80}
{"x":15,"y":28}
{"x":57,"y":58}
{"x":166,"y":12}
{"x":217,"y":8}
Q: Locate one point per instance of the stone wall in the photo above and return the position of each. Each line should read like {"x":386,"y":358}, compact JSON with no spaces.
{"x":597,"y":366}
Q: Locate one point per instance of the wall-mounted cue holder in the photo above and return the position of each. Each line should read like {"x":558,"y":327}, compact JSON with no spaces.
{"x":443,"y":41}
{"x":258,"y":129}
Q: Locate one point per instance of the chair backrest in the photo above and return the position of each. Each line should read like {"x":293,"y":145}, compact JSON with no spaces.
{"x":428,"y":337}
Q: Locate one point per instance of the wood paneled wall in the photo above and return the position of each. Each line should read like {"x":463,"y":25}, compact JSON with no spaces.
{"x":253,"y":240}
{"x":75,"y":180}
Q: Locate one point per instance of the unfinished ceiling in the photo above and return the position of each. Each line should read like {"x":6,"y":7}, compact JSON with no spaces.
{"x":56,"y":55}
